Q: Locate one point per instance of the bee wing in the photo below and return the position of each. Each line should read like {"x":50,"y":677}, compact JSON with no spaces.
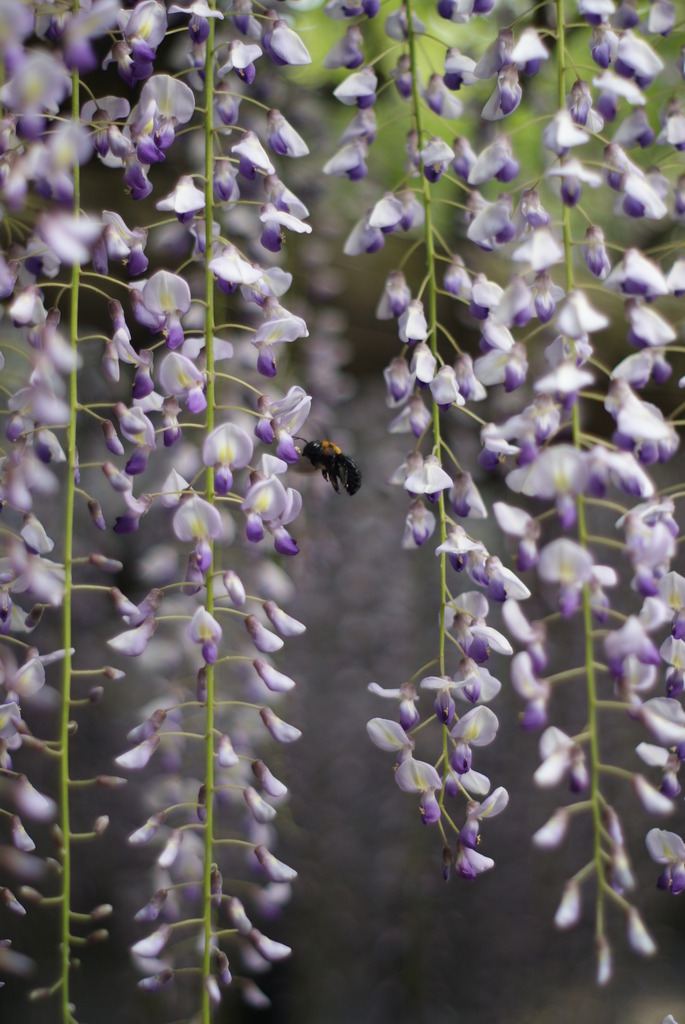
{"x":350,"y":474}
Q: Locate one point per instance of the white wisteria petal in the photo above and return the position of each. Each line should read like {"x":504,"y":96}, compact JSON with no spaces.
{"x":388,"y":735}
{"x":578,"y":317}
{"x":665,"y":847}
{"x":565,"y":379}
{"x":414,"y":776}
{"x":541,"y":250}
{"x":477,"y":727}
{"x":651,"y":799}
{"x":360,"y":83}
{"x":625,"y":88}
{"x":639,"y":55}
{"x":562,"y":133}
{"x":655,"y":757}
{"x":565,"y":561}
{"x":573,"y":168}
{"x":568,"y":912}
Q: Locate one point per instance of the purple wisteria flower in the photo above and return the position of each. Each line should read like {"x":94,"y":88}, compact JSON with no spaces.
{"x":199,"y":522}
{"x":205,"y":630}
{"x":268,"y":505}
{"x":226,"y":448}
{"x":200,"y":12}
{"x":668,"y":848}
{"x":420,"y":777}
{"x":164,"y":298}
{"x":179,"y":376}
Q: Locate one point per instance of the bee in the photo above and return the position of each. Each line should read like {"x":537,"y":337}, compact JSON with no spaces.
{"x":334,"y":464}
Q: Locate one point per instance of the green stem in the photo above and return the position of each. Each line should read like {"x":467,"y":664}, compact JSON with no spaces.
{"x":431,"y":311}
{"x":590,"y":677}
{"x":210,"y":497}
{"x":70,"y":497}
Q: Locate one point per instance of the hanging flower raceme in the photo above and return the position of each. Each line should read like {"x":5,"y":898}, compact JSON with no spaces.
{"x":57,"y":400}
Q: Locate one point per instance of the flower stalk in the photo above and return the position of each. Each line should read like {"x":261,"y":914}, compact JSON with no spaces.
{"x":210,"y":496}
{"x":67,"y":606}
{"x":432,"y":309}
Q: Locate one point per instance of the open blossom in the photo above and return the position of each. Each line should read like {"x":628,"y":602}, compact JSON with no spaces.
{"x":164,"y":298}
{"x":134,"y":641}
{"x":435,"y":157}
{"x":179,"y":376}
{"x":185,"y":201}
{"x":559,"y":473}
{"x":560,"y":755}
{"x":279,"y":326}
{"x":476,"y":728}
{"x":350,"y":162}
{"x":390,"y":736}
{"x":535,"y":691}
{"x":668,"y":848}
{"x":506,"y":96}
{"x":444,"y":388}
{"x":205,"y":630}
{"x":240,"y":58}
{"x":406,"y":696}
{"x":282,"y":419}
{"x":414,"y":776}
{"x":570,"y":566}
{"x":197,"y":521}
{"x":268,"y":504}
{"x":283,"y":138}
{"x":430,"y":479}
{"x":476,"y":812}
{"x":71,"y":239}
{"x":226,"y":448}
{"x":232,"y":270}
{"x":253,"y":156}
{"x":414,"y":417}
{"x":274,"y":221}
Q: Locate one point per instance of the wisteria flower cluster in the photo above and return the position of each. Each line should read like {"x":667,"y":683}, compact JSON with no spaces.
{"x":154,"y":407}
{"x":570,"y":483}
{"x":139,"y":352}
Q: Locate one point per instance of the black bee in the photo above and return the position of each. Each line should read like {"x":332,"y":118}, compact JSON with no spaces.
{"x":334,"y":464}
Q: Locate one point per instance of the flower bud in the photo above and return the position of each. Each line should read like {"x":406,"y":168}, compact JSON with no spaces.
{"x":568,"y":911}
